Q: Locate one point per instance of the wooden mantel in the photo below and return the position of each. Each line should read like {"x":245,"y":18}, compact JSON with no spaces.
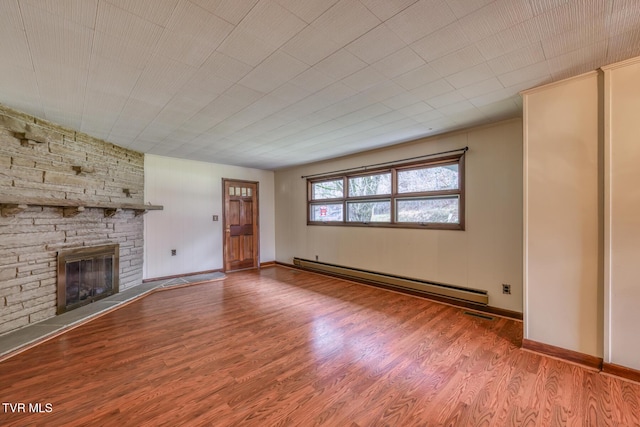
{"x":9,"y":207}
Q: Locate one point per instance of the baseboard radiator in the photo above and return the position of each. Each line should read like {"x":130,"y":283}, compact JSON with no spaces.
{"x":475,"y":296}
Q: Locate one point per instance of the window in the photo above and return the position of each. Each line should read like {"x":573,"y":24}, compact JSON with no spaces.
{"x":429,"y":194}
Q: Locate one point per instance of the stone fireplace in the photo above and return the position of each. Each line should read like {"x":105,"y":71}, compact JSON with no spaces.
{"x":86,"y":275}
{"x":65,"y":193}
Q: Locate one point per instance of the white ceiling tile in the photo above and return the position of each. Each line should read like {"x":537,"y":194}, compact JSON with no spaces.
{"x":181,"y":108}
{"x":390,"y":117}
{"x":57,"y":40}
{"x":363,"y":79}
{"x":290,"y":93}
{"x":561,"y":43}
{"x":334,"y":93}
{"x":215,"y":112}
{"x":495,"y":17}
{"x":458,"y":61}
{"x":205,"y":84}
{"x":111,"y":77}
{"x":464,"y":7}
{"x":312,"y":80}
{"x":502,"y":109}
{"x":307,"y":10}
{"x":624,"y":17}
{"x":401,"y":100}
{"x":340,"y":64}
{"x":10,"y":18}
{"x":19,"y":88}
{"x":471,"y":75}
{"x":81,"y":12}
{"x":513,"y":38}
{"x":385,"y":9}
{"x":539,"y":6}
{"x":448,"y":98}
{"x":246,"y":48}
{"x":156,"y":11}
{"x":125,"y":25}
{"x":417,"y":77}
{"x":223,"y":66}
{"x":275,"y":71}
{"x":271,"y":23}
{"x":507,"y":93}
{"x":464,"y":106}
{"x":382,"y":92}
{"x":399,"y":63}
{"x":441,"y":42}
{"x":242,"y":95}
{"x":310,"y":45}
{"x":161,"y":80}
{"x":192,"y":34}
{"x":579,"y":61}
{"x":230,"y":10}
{"x":433,"y":89}
{"x":137,"y":114}
{"x":103,"y":108}
{"x":517,"y":59}
{"x":120,"y":50}
{"x":481,"y":88}
{"x":346,"y":21}
{"x":364,"y":114}
{"x":570,"y":15}
{"x":415,"y":109}
{"x":376,"y":44}
{"x":623,"y":46}
{"x":534,"y":71}
{"x":14,"y":45}
{"x":150,"y":75}
{"x":421,"y":19}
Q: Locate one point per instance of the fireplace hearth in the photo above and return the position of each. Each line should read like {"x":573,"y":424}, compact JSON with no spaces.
{"x":86,"y":275}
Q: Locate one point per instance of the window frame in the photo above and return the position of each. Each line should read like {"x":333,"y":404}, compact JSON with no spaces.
{"x":394,"y":196}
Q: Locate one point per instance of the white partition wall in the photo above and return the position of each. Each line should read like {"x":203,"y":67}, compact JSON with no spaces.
{"x":622,"y":213}
{"x":485,"y":255}
{"x":563,"y":298}
{"x":191,"y":193}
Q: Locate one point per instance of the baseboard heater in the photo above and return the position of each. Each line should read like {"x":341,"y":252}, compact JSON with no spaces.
{"x":475,"y":296}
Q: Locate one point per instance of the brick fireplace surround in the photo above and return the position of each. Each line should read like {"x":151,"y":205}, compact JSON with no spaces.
{"x":40,"y":161}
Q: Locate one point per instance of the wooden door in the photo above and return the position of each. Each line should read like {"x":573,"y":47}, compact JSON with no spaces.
{"x":240,"y":225}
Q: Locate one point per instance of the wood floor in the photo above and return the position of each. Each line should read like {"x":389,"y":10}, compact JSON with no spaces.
{"x":284,"y":347}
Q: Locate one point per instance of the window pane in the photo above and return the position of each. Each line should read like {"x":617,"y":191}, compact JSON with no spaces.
{"x":370,"y":185}
{"x":437,"y":209}
{"x":428,"y":179}
{"x":327,"y":212}
{"x":327,"y":189}
{"x":378,"y":211}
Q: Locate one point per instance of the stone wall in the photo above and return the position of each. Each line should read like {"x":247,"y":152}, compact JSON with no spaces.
{"x":40,"y":161}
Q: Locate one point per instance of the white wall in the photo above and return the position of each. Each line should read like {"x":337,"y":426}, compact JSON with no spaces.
{"x":622,"y":213}
{"x":563,"y":295}
{"x":191,"y":193}
{"x":484,"y":256}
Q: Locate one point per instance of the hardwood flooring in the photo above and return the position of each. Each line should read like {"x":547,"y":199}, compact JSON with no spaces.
{"x":285,"y":347}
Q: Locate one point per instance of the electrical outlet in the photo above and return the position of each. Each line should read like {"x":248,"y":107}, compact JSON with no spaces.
{"x":506,"y":289}
{"x":316,"y":257}
{"x":215,"y":217}
{"x":173,"y":252}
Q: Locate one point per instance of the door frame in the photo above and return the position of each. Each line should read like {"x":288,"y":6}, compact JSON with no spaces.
{"x":256,"y":236}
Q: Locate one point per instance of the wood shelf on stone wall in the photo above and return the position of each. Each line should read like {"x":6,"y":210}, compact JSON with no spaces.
{"x":9,"y":207}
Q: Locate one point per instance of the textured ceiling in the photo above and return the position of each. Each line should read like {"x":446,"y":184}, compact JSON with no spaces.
{"x":272,"y":83}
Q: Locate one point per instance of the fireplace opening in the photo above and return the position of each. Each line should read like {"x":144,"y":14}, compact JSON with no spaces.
{"x":86,"y":275}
